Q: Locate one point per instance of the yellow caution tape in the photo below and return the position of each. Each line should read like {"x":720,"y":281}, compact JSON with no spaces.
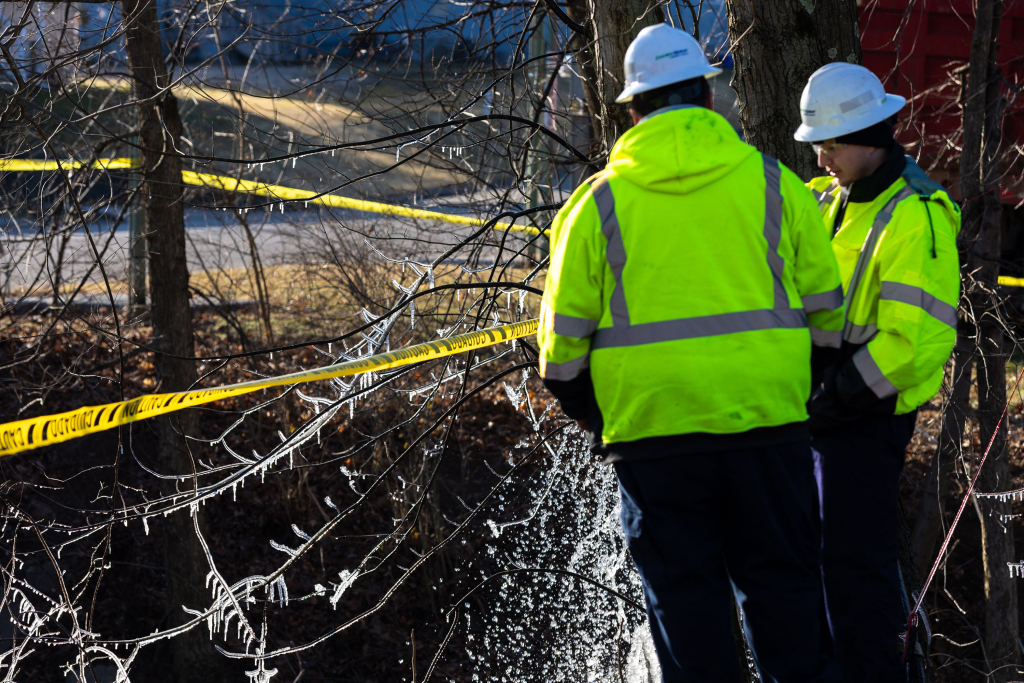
{"x":276,"y":192}
{"x":53,"y":165}
{"x":24,"y":435}
{"x":290,"y":193}
{"x":1011,"y":281}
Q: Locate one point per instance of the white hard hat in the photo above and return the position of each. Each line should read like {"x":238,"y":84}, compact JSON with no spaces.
{"x":661,"y":55}
{"x":840,"y":99}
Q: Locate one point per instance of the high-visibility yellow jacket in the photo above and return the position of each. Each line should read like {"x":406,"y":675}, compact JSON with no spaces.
{"x":898,"y":258}
{"x":685,"y":275}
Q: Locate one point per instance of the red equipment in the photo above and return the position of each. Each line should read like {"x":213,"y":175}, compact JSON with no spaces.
{"x":921,"y":50}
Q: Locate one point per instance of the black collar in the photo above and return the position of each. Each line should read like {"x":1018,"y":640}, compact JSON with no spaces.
{"x":868,"y":188}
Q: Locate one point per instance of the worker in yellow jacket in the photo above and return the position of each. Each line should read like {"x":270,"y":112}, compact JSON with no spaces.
{"x":894,"y":236}
{"x":688,"y":282}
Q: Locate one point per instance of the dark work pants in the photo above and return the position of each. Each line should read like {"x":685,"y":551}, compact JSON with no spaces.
{"x":703,"y":527}
{"x":860,"y":474}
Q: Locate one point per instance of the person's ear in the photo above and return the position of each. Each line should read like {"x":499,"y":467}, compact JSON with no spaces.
{"x":636,"y":117}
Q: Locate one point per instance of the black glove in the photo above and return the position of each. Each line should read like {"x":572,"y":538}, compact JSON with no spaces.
{"x":843,"y":398}
{"x":822,"y":359}
{"x":825,"y":410}
{"x":857,"y":396}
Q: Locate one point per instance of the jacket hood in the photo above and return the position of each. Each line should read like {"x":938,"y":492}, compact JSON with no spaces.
{"x":918,"y":181}
{"x":678,"y":151}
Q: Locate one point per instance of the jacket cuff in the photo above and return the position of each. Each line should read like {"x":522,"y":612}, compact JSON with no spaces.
{"x":871,"y":375}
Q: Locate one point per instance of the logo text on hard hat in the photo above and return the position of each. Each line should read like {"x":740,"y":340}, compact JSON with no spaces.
{"x":671,"y":55}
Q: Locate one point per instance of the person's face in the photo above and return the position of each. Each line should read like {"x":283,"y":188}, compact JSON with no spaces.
{"x":847,"y":163}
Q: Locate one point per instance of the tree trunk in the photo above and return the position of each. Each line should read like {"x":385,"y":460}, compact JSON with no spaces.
{"x":159,"y":139}
{"x":777,"y":45}
{"x":611,"y":26}
{"x":1001,"y":629}
{"x":980,"y":245}
{"x":929,"y":527}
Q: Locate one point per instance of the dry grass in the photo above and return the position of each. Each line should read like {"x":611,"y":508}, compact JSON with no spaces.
{"x":308,"y":302}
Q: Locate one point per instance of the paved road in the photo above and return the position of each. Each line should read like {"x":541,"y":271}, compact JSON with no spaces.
{"x":217,"y":241}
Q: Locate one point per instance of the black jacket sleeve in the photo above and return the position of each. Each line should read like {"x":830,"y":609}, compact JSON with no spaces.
{"x":576,"y":395}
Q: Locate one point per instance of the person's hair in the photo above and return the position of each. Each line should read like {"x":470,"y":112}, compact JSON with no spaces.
{"x":878,"y":135}
{"x":693,"y":91}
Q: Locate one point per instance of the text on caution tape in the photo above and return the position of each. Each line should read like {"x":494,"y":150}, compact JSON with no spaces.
{"x":24,"y":435}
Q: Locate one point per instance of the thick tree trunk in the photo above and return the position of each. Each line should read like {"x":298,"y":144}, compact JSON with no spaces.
{"x":610,"y":25}
{"x":159,"y":139}
{"x":980,"y":246}
{"x":1001,"y":629}
{"x":777,"y":45}
{"x":929,"y":527}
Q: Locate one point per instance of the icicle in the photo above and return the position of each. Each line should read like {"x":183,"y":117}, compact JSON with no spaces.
{"x":283,"y":592}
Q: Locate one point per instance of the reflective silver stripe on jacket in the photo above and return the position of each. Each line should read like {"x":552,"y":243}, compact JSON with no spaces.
{"x":872,"y":374}
{"x":571,"y":326}
{"x":915,"y":296}
{"x":866,"y":251}
{"x":773,"y":227}
{"x":615,"y":252}
{"x":699,"y":326}
{"x":859,"y":334}
{"x":566,"y":371}
{"x":825,"y":196}
{"x":826,"y":338}
{"x":825,"y":301}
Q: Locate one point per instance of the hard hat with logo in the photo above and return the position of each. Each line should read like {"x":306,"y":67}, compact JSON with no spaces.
{"x":661,"y":55}
{"x":840,"y":99}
